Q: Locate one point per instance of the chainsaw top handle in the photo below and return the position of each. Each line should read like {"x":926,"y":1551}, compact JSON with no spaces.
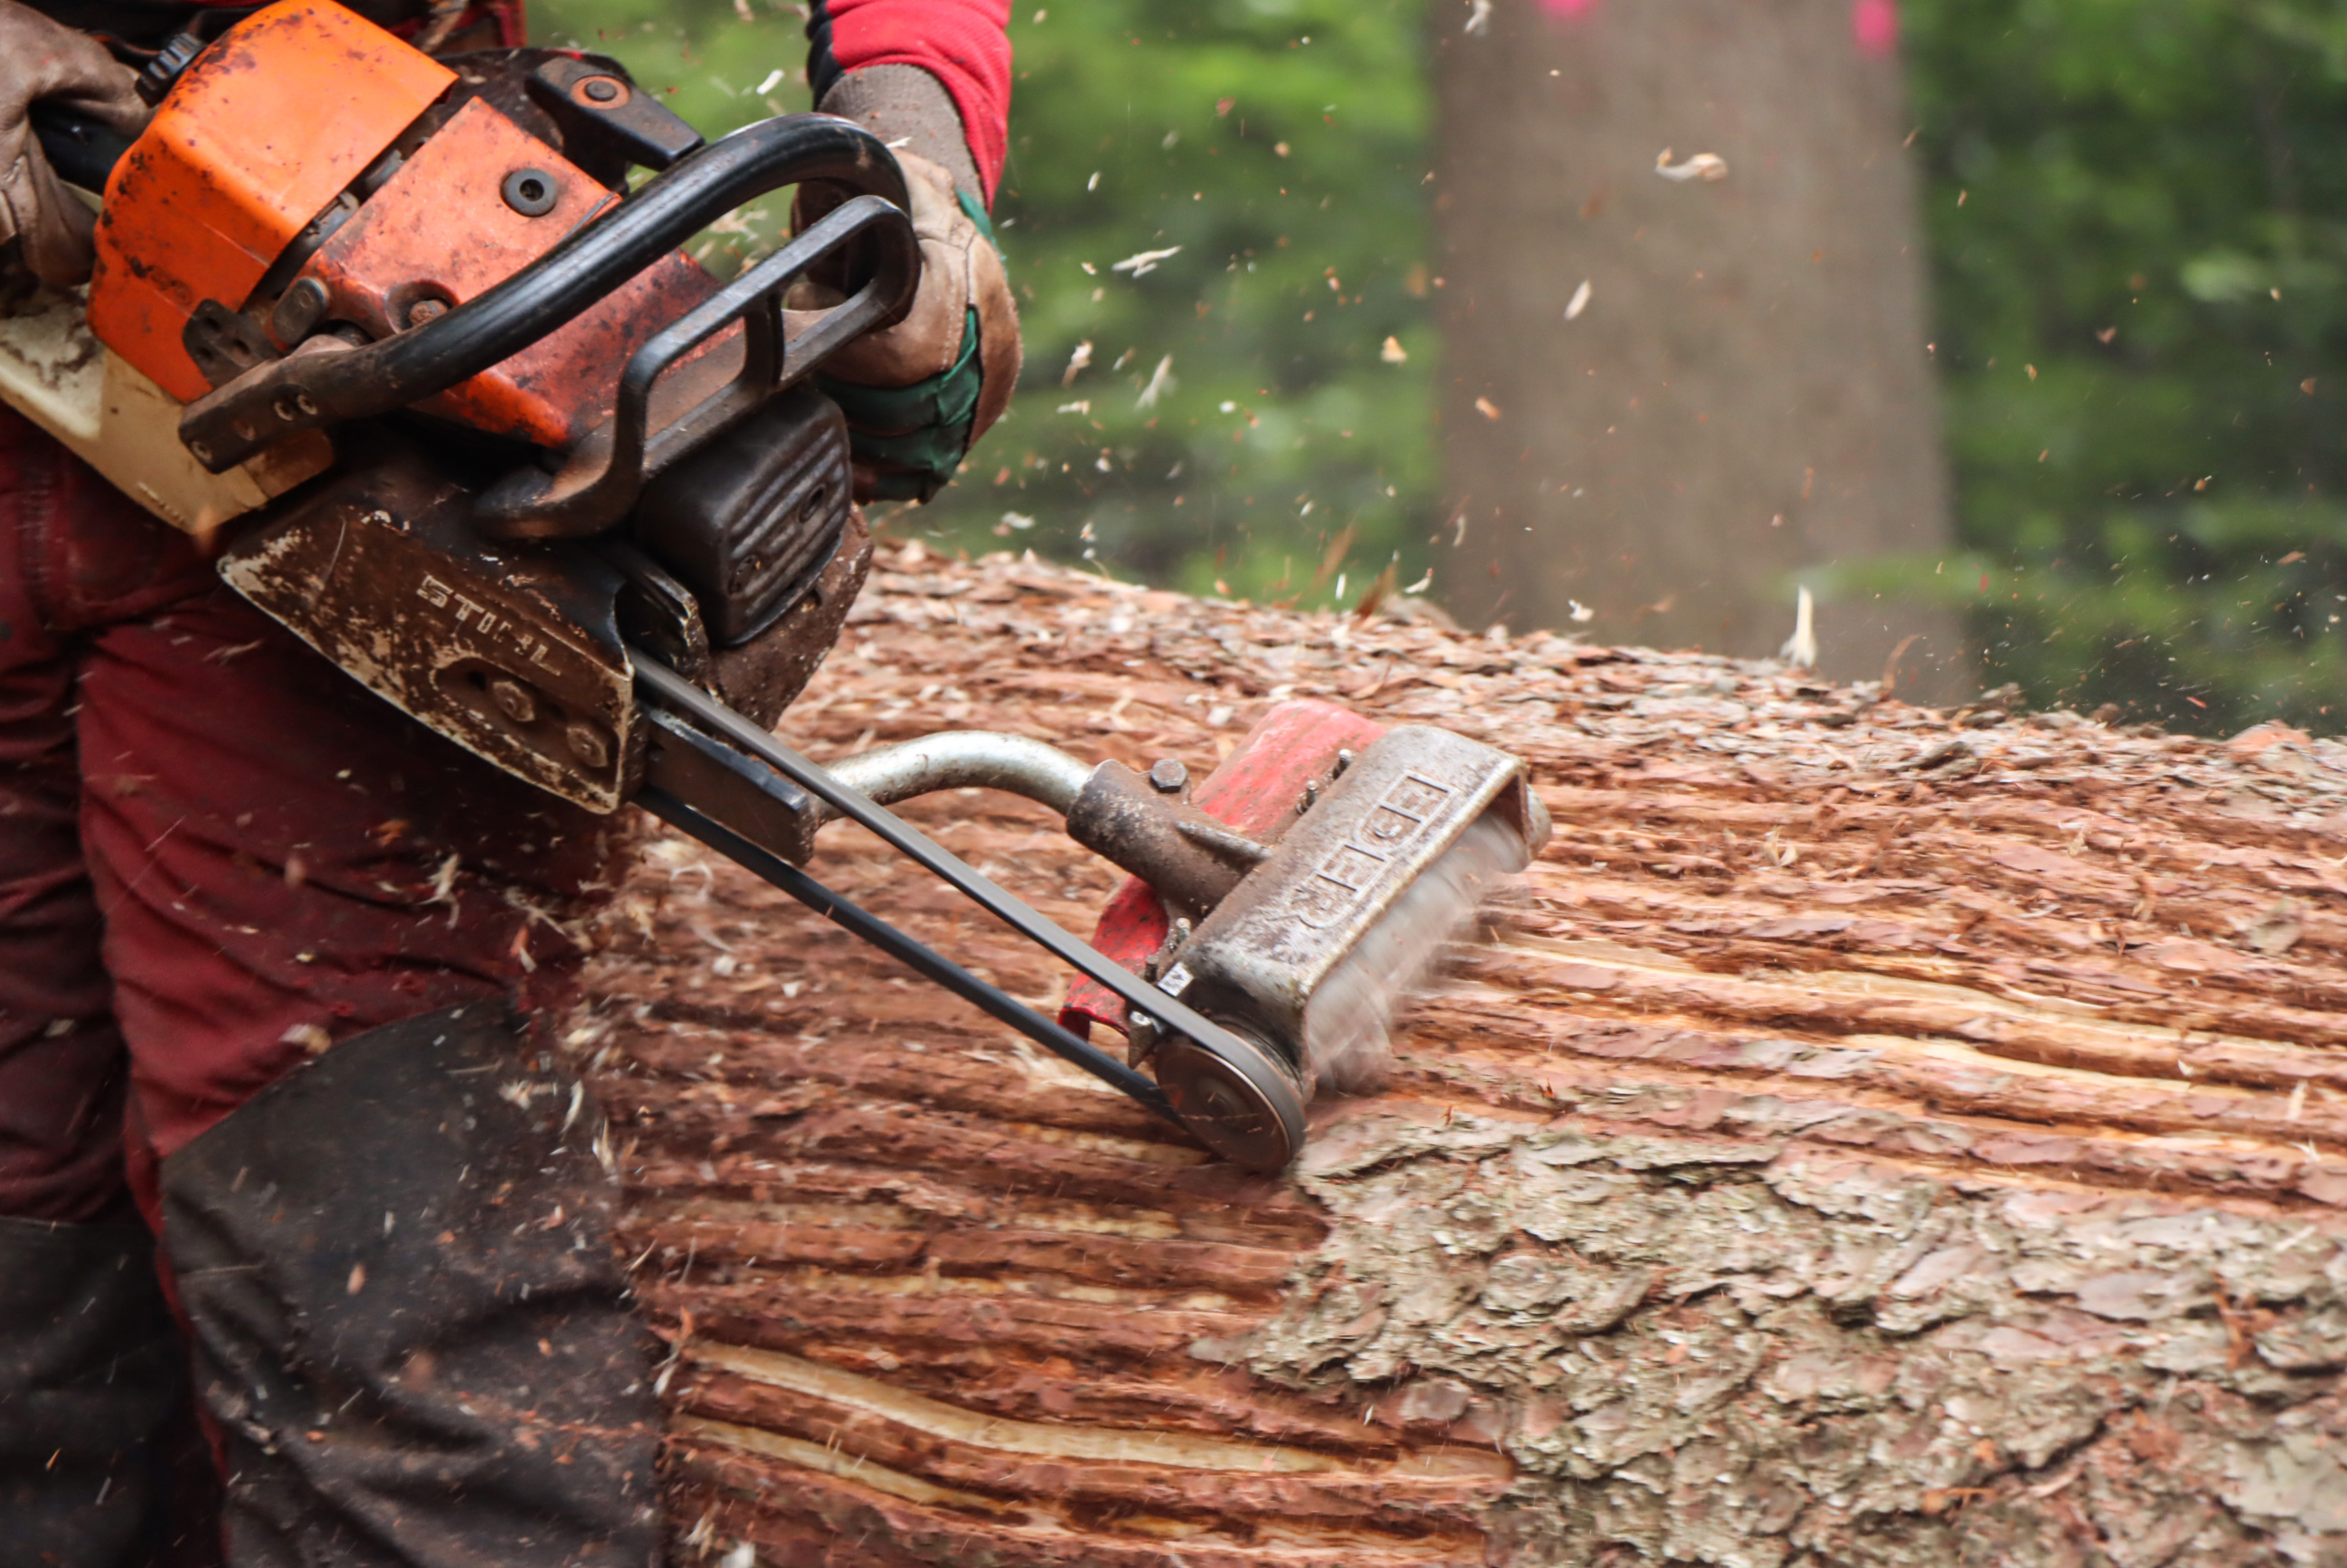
{"x":326,"y":381}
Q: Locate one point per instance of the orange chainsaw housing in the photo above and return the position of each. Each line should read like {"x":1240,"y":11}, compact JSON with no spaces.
{"x":288,"y":124}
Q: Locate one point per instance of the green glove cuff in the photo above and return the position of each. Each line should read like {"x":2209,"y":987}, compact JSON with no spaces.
{"x":979,"y":216}
{"x":914,"y":437}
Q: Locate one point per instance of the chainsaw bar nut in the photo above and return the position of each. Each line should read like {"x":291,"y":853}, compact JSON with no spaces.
{"x":516,"y":700}
{"x":587,"y":744}
{"x":530,"y":192}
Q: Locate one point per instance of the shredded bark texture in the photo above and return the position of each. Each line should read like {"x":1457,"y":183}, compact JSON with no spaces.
{"x":1876,"y":1135}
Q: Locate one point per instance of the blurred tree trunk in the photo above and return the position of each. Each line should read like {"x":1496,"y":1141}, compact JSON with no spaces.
{"x":1745,"y":398}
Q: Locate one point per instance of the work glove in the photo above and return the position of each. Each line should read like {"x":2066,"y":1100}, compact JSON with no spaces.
{"x":45,"y":230}
{"x":918,"y":395}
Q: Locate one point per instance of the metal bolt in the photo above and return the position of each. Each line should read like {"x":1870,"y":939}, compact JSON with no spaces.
{"x":1167,"y":776}
{"x":1344,"y":760}
{"x":587,"y":744}
{"x":424,"y":311}
{"x":607,"y":91}
{"x":1311,"y":793}
{"x":514,"y":698}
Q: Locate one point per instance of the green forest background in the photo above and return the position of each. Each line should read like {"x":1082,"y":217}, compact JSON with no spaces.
{"x":2137,"y":212}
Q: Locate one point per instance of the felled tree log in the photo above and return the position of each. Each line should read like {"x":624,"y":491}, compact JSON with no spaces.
{"x":1877,"y":1136}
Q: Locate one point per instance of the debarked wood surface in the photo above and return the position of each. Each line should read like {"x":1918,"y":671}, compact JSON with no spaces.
{"x":1874,"y":1136}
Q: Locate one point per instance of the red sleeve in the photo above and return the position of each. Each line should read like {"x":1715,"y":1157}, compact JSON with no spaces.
{"x":965,"y":43}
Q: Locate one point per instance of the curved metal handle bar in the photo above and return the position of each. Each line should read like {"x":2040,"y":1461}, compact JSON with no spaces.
{"x":605,"y":473}
{"x":963,"y":759}
{"x":327,"y":382}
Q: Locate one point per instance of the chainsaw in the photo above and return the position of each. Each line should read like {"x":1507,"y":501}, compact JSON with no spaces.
{"x":411,"y":343}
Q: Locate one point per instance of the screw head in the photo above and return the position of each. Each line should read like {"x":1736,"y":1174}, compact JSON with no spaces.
{"x":530,"y":192}
{"x":606,"y":91}
{"x":424,"y":311}
{"x":1167,"y":776}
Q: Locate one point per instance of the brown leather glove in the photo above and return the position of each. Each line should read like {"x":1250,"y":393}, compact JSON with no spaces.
{"x":917,"y":396}
{"x":961,"y":270}
{"x":44,"y":231}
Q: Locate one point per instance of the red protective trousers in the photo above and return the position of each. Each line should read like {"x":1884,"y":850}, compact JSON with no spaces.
{"x":218,"y":854}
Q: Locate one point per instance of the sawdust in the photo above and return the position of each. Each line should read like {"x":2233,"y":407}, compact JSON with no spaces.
{"x":1881,"y":1136}
{"x":1348,"y":1024}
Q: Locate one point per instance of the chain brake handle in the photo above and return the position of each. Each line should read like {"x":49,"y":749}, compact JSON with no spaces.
{"x":602,"y":476}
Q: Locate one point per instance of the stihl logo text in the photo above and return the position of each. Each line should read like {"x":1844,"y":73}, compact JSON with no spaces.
{"x":483,"y":620}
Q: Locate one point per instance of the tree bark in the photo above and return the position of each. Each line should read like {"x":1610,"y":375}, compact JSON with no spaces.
{"x":1744,"y":400}
{"x":1875,"y":1135}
